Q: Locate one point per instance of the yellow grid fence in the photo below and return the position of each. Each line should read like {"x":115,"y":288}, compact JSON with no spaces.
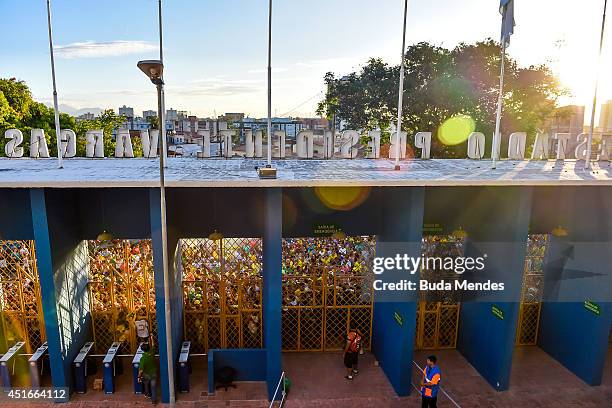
{"x":327,"y":290}
{"x":20,"y":300}
{"x":222,"y":281}
{"x":122,"y":291}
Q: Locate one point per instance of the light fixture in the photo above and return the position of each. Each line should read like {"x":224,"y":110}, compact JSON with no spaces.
{"x":154,"y":69}
{"x":459,"y":233}
{"x":215,"y":235}
{"x":338,"y":234}
{"x":559,"y":231}
{"x":104,"y":236}
{"x":267,"y":172}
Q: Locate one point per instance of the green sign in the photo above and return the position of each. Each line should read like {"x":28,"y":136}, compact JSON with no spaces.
{"x":433,"y":228}
{"x":325,"y":229}
{"x":592,"y":307}
{"x":497,"y":312}
{"x":398,"y":318}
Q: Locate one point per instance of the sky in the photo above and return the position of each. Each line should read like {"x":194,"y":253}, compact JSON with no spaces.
{"x":215,"y":51}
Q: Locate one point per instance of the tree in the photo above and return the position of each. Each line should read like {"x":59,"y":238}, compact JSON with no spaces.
{"x":108,"y":121}
{"x":441,"y":83}
{"x":18,"y":110}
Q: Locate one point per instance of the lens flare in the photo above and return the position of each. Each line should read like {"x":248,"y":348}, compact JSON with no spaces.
{"x":342,"y":198}
{"x":456,"y":130}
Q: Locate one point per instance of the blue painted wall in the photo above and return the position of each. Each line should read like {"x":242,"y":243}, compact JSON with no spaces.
{"x":16,"y":222}
{"x":57,"y":243}
{"x":577,"y":268}
{"x":272,"y":286}
{"x":497,"y":221}
{"x":400,"y":232}
{"x":250,"y":364}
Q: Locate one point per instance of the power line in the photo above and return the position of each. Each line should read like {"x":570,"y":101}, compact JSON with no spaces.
{"x":301,"y":104}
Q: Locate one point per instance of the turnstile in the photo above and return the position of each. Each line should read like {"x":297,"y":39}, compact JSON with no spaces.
{"x":9,"y":359}
{"x":184,"y":367}
{"x":37,"y":365}
{"x":112,"y":367}
{"x":138,"y":386}
{"x":80,"y":368}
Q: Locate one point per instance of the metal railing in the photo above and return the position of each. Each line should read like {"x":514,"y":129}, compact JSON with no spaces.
{"x":284,"y":392}
{"x":441,"y":389}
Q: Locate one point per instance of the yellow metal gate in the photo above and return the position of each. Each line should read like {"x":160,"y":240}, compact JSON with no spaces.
{"x":20,"y":302}
{"x":437,"y":325}
{"x":532,"y":291}
{"x":222,"y":281}
{"x":327,"y":290}
{"x":437,"y":320}
{"x":121,"y":291}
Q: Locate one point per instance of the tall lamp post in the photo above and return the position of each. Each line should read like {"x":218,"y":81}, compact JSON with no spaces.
{"x":154,"y":70}
{"x":268,"y":171}
{"x":58,"y":136}
{"x":587,"y":162}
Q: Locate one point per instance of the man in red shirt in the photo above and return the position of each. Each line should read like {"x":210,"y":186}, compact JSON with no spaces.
{"x":351,"y":353}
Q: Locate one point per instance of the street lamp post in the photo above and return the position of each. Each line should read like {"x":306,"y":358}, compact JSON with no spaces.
{"x":58,"y":136}
{"x":154,"y":70}
{"x":268,"y":171}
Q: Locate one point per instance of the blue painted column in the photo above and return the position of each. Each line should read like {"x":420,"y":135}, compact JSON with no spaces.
{"x":272,"y":286}
{"x":497,"y":221}
{"x":394,"y":319}
{"x":577,"y":310}
{"x":63,"y":279}
{"x":176,"y":293}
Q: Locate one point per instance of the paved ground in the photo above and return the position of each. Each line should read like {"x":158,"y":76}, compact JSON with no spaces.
{"x":191,"y":172}
{"x":537,"y":381}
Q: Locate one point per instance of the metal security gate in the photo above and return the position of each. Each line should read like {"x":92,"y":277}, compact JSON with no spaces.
{"x":222,"y":282}
{"x":20,"y":302}
{"x":121,"y":292}
{"x":437,"y":325}
{"x":437,"y":320}
{"x":532,"y":291}
{"x":327,"y":290}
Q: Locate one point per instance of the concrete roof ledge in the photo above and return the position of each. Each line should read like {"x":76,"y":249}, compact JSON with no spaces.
{"x":240,"y":172}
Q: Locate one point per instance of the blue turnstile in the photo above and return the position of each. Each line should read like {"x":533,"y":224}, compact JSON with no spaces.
{"x":7,"y":363}
{"x":80,"y":368}
{"x":138,"y":387}
{"x":184,"y":367}
{"x":36,"y":364}
{"x":110,"y":367}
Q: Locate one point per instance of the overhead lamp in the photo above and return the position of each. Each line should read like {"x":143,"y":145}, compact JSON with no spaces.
{"x":105,"y":236}
{"x":460,"y":233}
{"x":339,"y":234}
{"x":559,"y":231}
{"x":215,"y":235}
{"x":154,"y":69}
{"x":267,"y":172}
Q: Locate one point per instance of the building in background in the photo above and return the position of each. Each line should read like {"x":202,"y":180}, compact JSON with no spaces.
{"x":605,"y":117}
{"x":149,"y":114}
{"x":171,"y":114}
{"x":126,"y":111}
{"x":85,"y":116}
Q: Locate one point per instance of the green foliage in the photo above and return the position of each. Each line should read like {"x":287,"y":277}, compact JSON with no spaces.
{"x":107,"y":121}
{"x":441,"y":83}
{"x":18,"y":110}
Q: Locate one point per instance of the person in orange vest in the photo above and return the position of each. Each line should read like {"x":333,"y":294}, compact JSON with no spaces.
{"x":351,"y":353}
{"x":430,"y":383}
